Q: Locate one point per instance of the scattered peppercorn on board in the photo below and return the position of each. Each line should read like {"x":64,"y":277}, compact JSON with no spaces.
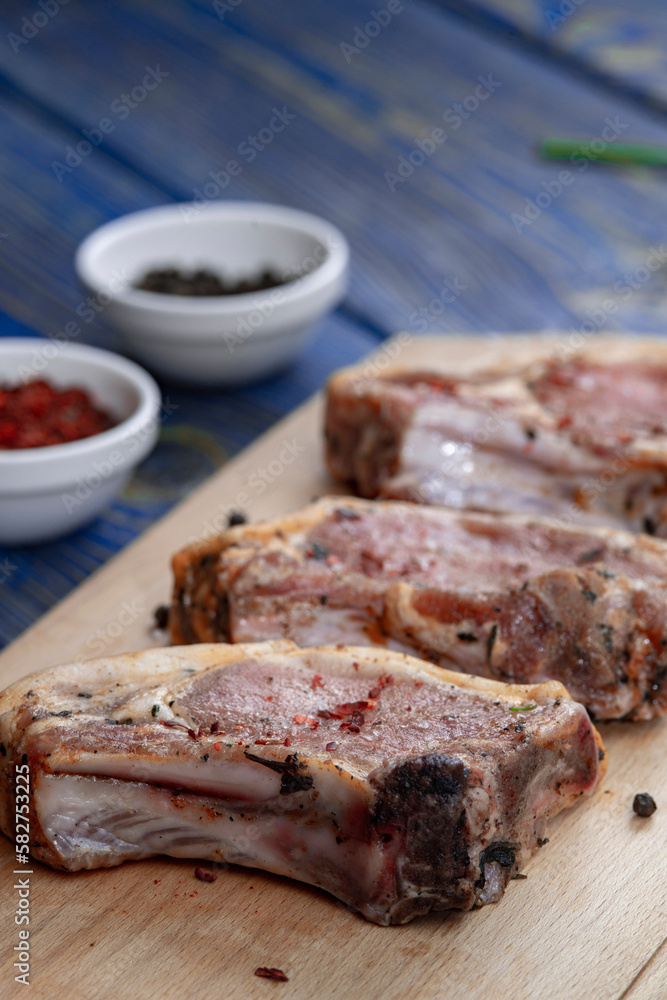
{"x":589,"y":920}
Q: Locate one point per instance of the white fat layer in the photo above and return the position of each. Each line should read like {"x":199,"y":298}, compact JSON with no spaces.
{"x":481,"y":809}
{"x":458,"y":475}
{"x":319,"y":626}
{"x":246,"y":782}
{"x":329,"y":626}
{"x":93,"y":823}
{"x":467,"y":460}
{"x":506,"y":431}
{"x":309,"y":626}
{"x":494,"y":883}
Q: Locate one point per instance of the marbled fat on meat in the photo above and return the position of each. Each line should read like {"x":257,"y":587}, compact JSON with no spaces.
{"x":396,"y":787}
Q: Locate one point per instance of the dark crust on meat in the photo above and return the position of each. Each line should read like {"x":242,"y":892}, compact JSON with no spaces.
{"x":419,"y":809}
{"x":199,"y":608}
{"x":560,"y":625}
{"x":363,"y":439}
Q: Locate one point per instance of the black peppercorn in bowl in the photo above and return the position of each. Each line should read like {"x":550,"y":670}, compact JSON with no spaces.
{"x":219,"y":293}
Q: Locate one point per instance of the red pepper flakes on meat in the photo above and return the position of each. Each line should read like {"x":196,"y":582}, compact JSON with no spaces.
{"x":355,"y":723}
{"x":382,"y":682}
{"x":204,"y":876}
{"x":180,"y":725}
{"x":216,"y":746}
{"x":350,"y":707}
{"x":265,"y":972}
{"x":215,"y":728}
{"x":270,"y":698}
{"x":316,"y":682}
{"x":301,"y":719}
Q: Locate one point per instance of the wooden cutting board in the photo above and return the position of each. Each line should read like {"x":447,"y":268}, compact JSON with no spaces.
{"x":589,"y":921}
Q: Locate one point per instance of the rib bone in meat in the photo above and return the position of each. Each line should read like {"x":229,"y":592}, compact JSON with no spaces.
{"x":512,"y":598}
{"x":582,"y":440}
{"x":395,"y":786}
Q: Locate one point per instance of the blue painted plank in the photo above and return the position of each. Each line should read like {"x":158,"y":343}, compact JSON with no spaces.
{"x":450,"y":219}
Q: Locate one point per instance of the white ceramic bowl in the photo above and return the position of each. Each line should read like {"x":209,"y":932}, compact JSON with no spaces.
{"x":48,"y":492}
{"x":216,"y":340}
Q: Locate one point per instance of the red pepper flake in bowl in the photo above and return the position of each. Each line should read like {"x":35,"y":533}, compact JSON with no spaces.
{"x":265,"y":972}
{"x":37,"y":415}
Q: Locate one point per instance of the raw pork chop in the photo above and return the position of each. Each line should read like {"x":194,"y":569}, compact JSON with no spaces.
{"x":512,"y":598}
{"x":583,"y":441}
{"x":395,"y":786}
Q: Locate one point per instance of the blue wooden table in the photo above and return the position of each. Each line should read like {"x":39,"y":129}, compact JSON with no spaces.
{"x":413,"y":126}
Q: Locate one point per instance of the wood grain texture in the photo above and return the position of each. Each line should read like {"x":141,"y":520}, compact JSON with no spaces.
{"x":651,"y":982}
{"x":589,"y":920}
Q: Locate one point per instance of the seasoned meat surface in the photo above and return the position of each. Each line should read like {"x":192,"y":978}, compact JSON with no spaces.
{"x":397,"y":787}
{"x":512,"y":598}
{"x":583,"y":441}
